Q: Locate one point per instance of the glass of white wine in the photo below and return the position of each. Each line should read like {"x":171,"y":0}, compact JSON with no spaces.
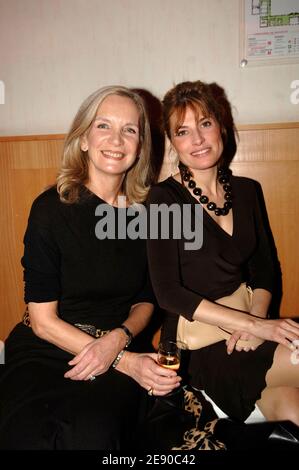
{"x":169,"y":354}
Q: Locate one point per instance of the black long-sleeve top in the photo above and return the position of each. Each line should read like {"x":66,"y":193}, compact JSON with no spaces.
{"x":94,"y":281}
{"x":182,"y":278}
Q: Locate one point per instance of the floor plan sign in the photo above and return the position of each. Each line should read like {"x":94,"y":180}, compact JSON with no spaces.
{"x":271,"y":29}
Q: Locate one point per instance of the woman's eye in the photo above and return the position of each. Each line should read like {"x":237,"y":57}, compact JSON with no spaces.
{"x":180,"y":132}
{"x":206,"y":123}
{"x":130,"y":130}
{"x":102,"y":125}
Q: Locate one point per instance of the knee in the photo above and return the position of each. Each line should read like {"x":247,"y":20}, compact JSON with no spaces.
{"x":286,"y":411}
{"x":280,"y":404}
{"x":293,"y":415}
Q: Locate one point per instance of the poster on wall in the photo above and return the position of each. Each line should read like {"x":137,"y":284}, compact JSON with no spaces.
{"x":269,"y":32}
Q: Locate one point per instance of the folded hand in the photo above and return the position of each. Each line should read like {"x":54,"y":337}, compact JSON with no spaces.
{"x":95,"y":358}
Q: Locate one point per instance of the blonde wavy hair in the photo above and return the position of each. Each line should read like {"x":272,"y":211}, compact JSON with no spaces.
{"x":74,"y":166}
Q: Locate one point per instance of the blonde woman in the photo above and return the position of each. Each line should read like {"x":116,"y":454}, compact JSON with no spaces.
{"x":70,"y":380}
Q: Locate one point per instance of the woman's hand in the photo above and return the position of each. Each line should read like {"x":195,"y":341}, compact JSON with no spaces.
{"x":144,"y":369}
{"x":96,"y":357}
{"x":282,"y":331}
{"x":242,"y":341}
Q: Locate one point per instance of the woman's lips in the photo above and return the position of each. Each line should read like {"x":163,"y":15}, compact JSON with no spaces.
{"x":112,"y":155}
{"x":201,"y":152}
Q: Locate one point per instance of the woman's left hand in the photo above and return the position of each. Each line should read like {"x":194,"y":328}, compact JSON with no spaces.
{"x":242,"y":341}
{"x":96,"y":357}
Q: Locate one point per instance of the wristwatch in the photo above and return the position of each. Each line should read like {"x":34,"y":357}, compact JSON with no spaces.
{"x":128,"y":333}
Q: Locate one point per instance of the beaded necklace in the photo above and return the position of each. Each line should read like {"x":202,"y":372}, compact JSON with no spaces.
{"x":223,"y":176}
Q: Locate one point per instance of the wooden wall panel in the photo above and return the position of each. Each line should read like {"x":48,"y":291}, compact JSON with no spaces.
{"x":27,"y":167}
{"x":267,"y":153}
{"x":281,"y":191}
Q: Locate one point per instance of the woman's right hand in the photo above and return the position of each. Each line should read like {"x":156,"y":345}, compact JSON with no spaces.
{"x":96,"y":357}
{"x":144,"y":369}
{"x":283,"y":331}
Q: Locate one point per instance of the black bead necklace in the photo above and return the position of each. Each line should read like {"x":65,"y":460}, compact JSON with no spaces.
{"x":223,"y":176}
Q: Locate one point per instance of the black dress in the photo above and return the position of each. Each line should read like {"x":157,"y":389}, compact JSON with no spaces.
{"x":96,"y":282}
{"x":182,"y":278}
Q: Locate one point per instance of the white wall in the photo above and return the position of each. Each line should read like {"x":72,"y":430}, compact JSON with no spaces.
{"x":53,"y":53}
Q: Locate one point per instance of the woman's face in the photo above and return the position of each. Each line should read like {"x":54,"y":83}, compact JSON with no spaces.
{"x":197,"y":141}
{"x":113,"y":139}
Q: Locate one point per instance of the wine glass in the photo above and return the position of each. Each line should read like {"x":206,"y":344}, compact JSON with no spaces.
{"x":170,"y":357}
{"x":169,"y":354}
